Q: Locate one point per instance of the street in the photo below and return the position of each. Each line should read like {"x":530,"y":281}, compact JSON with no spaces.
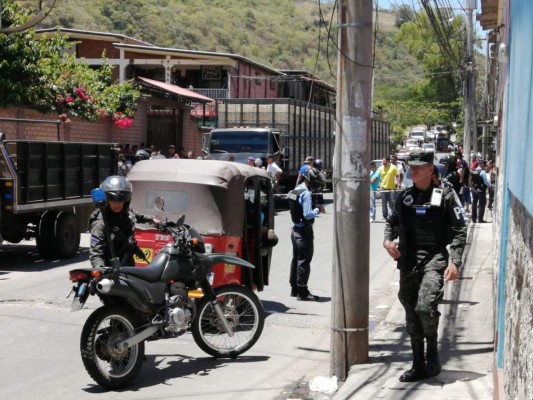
{"x":40,"y":355}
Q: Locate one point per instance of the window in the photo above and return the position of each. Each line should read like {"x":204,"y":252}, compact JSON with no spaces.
{"x":176,"y":201}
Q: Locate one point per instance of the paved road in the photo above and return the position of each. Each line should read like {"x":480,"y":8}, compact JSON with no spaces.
{"x":39,"y":356}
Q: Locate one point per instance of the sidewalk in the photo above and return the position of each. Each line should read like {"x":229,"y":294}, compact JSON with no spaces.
{"x":465,"y":337}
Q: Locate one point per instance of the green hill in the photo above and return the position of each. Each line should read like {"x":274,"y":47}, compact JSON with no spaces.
{"x":284,"y":34}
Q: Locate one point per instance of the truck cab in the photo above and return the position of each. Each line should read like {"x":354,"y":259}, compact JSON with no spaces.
{"x":243,"y":143}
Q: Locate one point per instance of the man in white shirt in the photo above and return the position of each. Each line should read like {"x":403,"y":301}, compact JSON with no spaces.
{"x":272,"y":167}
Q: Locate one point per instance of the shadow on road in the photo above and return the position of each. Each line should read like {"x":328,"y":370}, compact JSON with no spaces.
{"x":24,"y":257}
{"x":160,"y":368}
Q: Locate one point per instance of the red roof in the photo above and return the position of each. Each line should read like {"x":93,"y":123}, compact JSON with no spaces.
{"x":168,"y":87}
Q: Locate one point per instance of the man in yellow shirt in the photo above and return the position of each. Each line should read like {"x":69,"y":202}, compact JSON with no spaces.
{"x":389,"y":174}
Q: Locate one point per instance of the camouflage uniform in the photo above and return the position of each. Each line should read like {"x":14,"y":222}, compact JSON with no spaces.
{"x":424,"y":231}
{"x":121,"y":228}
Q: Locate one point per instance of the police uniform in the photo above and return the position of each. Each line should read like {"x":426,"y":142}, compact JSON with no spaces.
{"x":302,"y":214}
{"x":121,"y":227}
{"x":426,"y":221}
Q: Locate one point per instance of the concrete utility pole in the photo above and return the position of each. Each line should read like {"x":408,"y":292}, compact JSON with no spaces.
{"x":349,"y":344}
{"x":470,"y":140}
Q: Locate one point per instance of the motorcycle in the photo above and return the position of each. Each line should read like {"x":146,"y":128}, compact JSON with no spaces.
{"x":152,"y":303}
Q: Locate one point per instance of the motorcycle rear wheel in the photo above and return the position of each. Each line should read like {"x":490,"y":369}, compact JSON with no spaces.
{"x":106,"y":364}
{"x":243,"y":311}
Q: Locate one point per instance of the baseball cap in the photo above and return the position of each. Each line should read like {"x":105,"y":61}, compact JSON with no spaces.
{"x":420,"y":158}
{"x":269,"y":155}
{"x":309,"y":158}
{"x":171,"y":146}
{"x":251,"y":158}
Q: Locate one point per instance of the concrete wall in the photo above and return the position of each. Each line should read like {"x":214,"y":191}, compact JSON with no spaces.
{"x":518,"y":358}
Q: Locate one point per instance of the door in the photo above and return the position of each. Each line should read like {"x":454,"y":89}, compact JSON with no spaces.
{"x":162,"y":131}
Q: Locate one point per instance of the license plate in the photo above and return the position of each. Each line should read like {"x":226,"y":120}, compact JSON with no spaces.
{"x":79,"y":297}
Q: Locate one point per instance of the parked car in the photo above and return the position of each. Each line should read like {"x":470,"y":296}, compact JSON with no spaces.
{"x":429,"y":147}
{"x":403,"y":154}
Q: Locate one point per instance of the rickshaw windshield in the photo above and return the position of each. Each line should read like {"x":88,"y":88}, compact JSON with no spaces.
{"x":176,"y":201}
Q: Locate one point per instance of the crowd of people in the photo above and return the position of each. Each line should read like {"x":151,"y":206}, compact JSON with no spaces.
{"x":473,"y":184}
{"x":128,"y":155}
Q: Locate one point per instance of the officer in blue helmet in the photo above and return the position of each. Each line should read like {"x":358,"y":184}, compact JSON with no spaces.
{"x":427,"y":219}
{"x":303,"y":213}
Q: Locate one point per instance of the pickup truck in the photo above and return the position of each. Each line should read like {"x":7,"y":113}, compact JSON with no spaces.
{"x":45,"y":191}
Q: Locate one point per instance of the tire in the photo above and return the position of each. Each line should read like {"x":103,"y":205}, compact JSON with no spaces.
{"x":66,"y":235}
{"x":108,"y":366}
{"x":244,"y":313}
{"x":45,"y":234}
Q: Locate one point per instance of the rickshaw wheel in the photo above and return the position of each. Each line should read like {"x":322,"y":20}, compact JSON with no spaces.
{"x":244,"y":313}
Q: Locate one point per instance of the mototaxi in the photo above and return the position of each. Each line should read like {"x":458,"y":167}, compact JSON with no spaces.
{"x":230,"y":204}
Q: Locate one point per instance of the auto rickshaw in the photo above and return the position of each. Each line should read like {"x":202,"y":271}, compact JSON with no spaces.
{"x":230,"y":204}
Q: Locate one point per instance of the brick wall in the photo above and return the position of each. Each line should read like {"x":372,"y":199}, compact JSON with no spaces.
{"x":76,"y":131}
{"x":192,"y":136}
{"x":247,"y":87}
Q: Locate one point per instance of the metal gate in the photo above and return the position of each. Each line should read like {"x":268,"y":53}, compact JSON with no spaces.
{"x":162,"y":131}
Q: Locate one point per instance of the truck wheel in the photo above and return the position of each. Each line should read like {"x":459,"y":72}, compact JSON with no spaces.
{"x":45,"y":234}
{"x":66,"y":235}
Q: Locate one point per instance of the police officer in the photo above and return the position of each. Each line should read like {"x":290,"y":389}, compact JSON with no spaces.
{"x":452,"y":177}
{"x":427,"y":219}
{"x":121,"y":222}
{"x":303,"y":213}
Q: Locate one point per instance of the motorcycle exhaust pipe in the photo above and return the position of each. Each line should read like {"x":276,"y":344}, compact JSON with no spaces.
{"x":107,"y":286}
{"x":104,"y":286}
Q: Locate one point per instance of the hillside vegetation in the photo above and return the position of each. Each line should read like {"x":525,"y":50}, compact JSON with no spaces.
{"x":284,"y":34}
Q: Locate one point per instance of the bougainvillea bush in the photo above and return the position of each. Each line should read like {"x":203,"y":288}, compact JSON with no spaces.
{"x":40,"y":74}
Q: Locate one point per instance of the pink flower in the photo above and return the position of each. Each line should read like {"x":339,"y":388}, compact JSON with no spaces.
{"x":64,"y":118}
{"x":80,"y":93}
{"x":69,"y":99}
{"x":123,"y":122}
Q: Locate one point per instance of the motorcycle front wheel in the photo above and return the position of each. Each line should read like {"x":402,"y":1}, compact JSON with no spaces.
{"x":108,"y":365}
{"x":243,"y":312}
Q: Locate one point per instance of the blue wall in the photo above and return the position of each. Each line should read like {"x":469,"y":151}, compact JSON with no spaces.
{"x":519,"y":128}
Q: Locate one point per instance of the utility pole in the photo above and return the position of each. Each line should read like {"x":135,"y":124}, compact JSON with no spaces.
{"x":470,"y":140}
{"x":349,"y":343}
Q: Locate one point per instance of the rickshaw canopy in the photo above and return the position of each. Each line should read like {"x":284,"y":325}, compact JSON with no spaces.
{"x":210,"y":193}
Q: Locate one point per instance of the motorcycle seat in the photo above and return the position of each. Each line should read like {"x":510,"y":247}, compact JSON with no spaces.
{"x":152,"y":272}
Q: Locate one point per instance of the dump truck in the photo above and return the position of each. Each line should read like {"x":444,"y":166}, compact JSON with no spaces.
{"x":45,"y":191}
{"x":289,"y":129}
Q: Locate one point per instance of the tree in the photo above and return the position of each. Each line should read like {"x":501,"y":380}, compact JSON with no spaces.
{"x":40,"y":74}
{"x":404,"y":13}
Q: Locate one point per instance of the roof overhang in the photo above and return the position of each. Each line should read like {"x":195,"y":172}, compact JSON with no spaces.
{"x":488,"y":17}
{"x":90,"y":35}
{"x":175,"y":90}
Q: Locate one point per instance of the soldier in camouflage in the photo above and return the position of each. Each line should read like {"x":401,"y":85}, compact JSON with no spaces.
{"x":427,"y":219}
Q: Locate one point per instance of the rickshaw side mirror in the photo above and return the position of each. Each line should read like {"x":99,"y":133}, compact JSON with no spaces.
{"x":159,"y":203}
{"x":99,"y":198}
{"x":181,"y":220}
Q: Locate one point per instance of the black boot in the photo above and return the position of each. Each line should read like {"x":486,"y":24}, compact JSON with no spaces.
{"x":433,"y":364}
{"x":294,"y":292}
{"x":418,"y":370}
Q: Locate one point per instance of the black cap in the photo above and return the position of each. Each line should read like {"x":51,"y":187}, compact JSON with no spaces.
{"x":449,"y":160}
{"x":420,"y":158}
{"x":269,"y":155}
